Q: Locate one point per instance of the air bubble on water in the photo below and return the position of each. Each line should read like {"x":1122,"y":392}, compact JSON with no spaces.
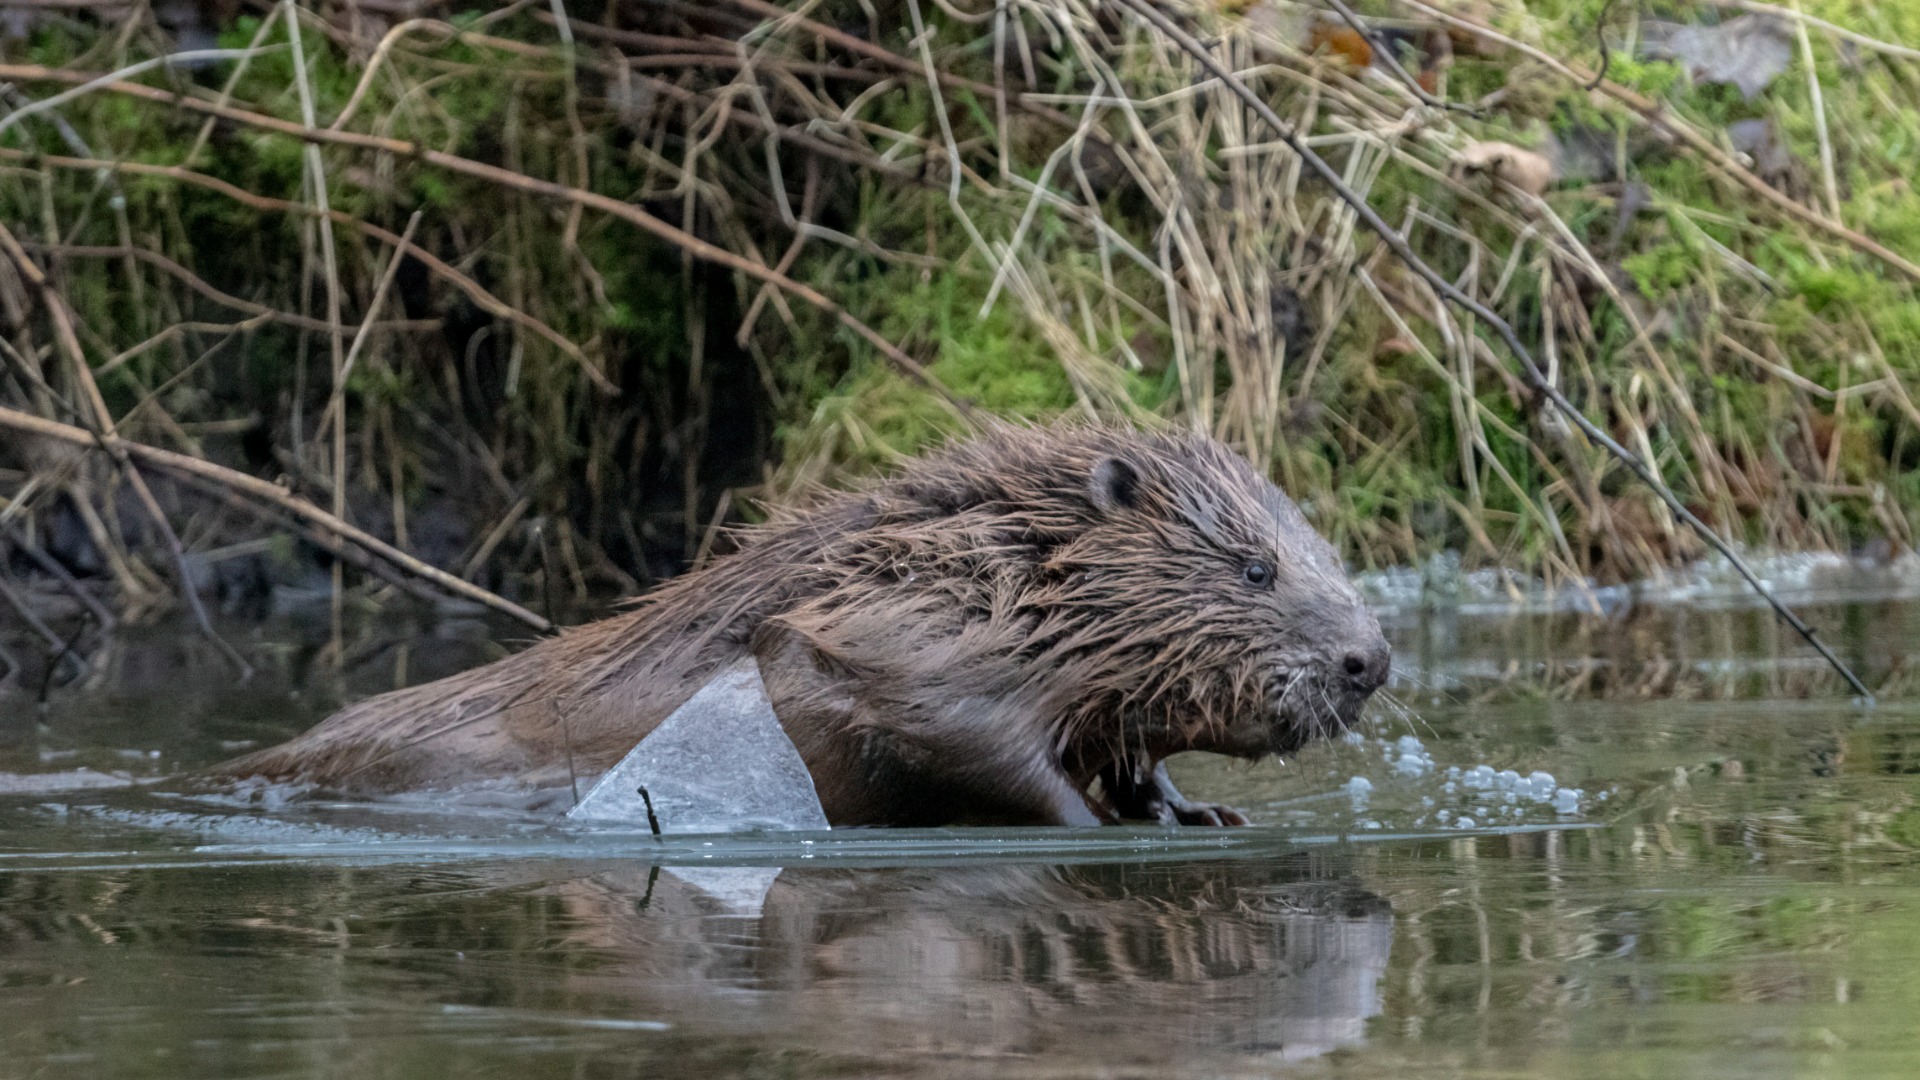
{"x":1358,"y":789}
{"x":1452,"y":796}
{"x":1540,"y":786}
{"x":1413,"y":759}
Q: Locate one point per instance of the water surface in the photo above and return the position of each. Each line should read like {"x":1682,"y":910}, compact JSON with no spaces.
{"x":1736,"y":892}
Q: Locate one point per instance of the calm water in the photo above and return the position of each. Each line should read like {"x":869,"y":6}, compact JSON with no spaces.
{"x":1736,"y":894}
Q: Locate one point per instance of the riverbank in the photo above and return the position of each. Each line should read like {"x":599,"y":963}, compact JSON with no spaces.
{"x":579,"y":293}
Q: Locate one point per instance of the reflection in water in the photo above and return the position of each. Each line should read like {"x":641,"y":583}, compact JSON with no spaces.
{"x":1652,"y":651}
{"x":937,"y":971}
{"x":1157,"y":962}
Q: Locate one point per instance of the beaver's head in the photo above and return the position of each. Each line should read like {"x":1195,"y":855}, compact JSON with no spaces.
{"x":1198,"y":604}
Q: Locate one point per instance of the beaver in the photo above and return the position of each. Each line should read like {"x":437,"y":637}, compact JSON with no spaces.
{"x":1016,"y":629}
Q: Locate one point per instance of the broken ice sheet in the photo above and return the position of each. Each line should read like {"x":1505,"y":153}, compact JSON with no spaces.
{"x":720,"y":763}
{"x":1749,"y":51}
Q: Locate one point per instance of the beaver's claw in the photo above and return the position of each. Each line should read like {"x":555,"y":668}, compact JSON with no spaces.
{"x":1149,"y":795}
{"x":1199,"y":813}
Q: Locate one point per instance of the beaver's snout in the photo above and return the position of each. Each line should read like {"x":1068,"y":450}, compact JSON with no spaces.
{"x":1326,"y":696}
{"x":1367,"y":664}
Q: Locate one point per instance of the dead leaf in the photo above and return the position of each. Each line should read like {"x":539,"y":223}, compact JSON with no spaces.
{"x":1526,"y":170}
{"x":1342,"y":41}
{"x":1749,"y":51}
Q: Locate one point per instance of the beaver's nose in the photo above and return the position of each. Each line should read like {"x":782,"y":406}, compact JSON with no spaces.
{"x":1366,"y":667}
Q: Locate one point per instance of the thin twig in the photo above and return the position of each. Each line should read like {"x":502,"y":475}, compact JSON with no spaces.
{"x":1600,"y":39}
{"x":1816,"y":101}
{"x":387,"y":42}
{"x":128,"y":72}
{"x":200,"y":285}
{"x":206,"y":472}
{"x":337,"y":398}
{"x":176,"y":330}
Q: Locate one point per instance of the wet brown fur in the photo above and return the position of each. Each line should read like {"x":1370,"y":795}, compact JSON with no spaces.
{"x":981,"y":637}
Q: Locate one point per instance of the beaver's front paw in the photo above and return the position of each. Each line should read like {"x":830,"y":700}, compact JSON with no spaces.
{"x":1199,"y":813}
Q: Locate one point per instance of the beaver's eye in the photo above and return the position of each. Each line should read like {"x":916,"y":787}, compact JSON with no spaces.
{"x":1258,"y":573}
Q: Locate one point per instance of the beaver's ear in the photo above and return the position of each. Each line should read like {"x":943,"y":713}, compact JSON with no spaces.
{"x":1114,"y":485}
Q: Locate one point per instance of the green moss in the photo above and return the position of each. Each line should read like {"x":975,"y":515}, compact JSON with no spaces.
{"x":995,"y":363}
{"x":1655,"y":78}
{"x":432,"y":189}
{"x":239,"y":33}
{"x":1896,"y":224}
{"x":1664,"y":268}
{"x":1825,"y":288}
{"x":1897,"y":327}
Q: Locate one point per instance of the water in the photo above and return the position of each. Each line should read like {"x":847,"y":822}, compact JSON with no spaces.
{"x":1731,"y":888}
